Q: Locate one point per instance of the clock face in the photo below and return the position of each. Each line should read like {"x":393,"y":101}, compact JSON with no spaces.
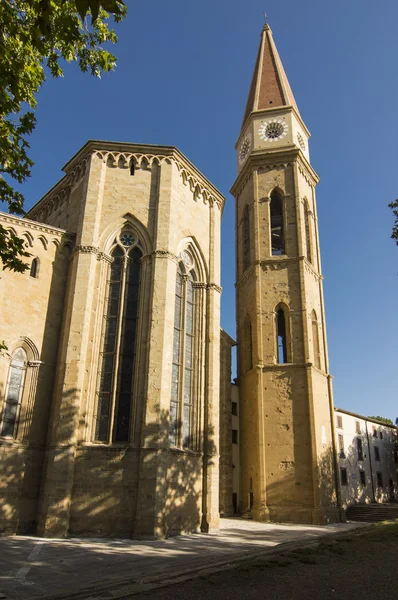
{"x":245,"y":148}
{"x":273,"y":130}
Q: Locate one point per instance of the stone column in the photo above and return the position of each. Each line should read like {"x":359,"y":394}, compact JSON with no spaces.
{"x":56,"y":499}
{"x":211,"y":473}
{"x":57,"y":483}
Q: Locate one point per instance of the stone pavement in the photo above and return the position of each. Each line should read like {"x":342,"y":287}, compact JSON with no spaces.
{"x":32,"y":567}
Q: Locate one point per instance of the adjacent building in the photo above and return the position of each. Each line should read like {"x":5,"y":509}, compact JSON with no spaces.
{"x":368,"y":459}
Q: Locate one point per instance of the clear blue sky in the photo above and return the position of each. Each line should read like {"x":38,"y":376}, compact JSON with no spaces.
{"x":182,"y":79}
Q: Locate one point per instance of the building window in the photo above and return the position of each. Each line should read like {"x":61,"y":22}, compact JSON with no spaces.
{"x":343,"y":475}
{"x":374,"y":432}
{"x":277,"y":233}
{"x":234,"y":436}
{"x":379,"y":479}
{"x":34,"y":268}
{"x":381,"y":435}
{"x":357,"y":427}
{"x":235,"y":409}
{"x":246,"y":238}
{"x":116,"y":377}
{"x":359,"y":449}
{"x":339,"y":422}
{"x":281,"y":341}
{"x":315,"y":340}
{"x":341,"y":446}
{"x":307,"y":217}
{"x":14,"y":390}
{"x":181,"y":401}
{"x":377,"y":453}
{"x":362,"y":477}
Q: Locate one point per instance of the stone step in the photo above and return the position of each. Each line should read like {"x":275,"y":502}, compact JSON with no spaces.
{"x":372,"y":512}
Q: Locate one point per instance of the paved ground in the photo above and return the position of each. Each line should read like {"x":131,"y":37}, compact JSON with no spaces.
{"x":32,"y":568}
{"x":358,"y":566}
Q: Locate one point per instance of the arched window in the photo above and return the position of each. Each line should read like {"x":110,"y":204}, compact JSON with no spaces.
{"x":183,"y":372}
{"x":246,"y":238}
{"x":277,"y":233}
{"x":307,"y":217}
{"x":116,"y":377}
{"x":15,"y":384}
{"x":315,"y":340}
{"x":281,"y":338}
{"x":34,"y":268}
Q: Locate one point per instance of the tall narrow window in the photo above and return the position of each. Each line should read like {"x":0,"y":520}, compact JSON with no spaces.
{"x":116,"y":378}
{"x":14,"y":391}
{"x":246,"y":239}
{"x":281,"y":337}
{"x":360,"y":449}
{"x":307,"y":222}
{"x":315,"y":340}
{"x":34,"y":268}
{"x":277,"y":233}
{"x":181,"y":400}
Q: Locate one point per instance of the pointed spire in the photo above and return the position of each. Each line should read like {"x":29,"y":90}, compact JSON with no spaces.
{"x":269,"y":87}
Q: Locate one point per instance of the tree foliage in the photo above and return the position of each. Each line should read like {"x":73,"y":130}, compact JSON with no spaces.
{"x":36,"y":36}
{"x":394,"y":207}
{"x":383,"y":420}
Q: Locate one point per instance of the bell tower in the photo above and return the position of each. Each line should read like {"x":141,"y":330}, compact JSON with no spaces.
{"x":288,"y":458}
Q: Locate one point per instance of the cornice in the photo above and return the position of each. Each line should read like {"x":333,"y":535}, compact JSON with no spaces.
{"x":86,"y":250}
{"x":59,"y":193}
{"x":34,"y":225}
{"x":276,"y":264}
{"x":121,"y":154}
{"x":267,"y":160}
{"x":200,"y":187}
{"x":215,"y":287}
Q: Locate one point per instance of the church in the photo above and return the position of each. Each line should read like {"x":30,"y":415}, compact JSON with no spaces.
{"x":115,"y":387}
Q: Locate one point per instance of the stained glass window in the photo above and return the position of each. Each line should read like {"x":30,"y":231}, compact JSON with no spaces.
{"x":14,"y":392}
{"x":115,"y":390}
{"x":181,"y":405}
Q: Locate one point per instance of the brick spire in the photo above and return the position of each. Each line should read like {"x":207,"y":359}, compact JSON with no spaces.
{"x":269,"y":87}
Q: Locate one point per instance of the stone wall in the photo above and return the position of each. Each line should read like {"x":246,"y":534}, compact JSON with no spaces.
{"x":32,"y":311}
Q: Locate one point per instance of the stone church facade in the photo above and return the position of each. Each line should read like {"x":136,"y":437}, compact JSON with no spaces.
{"x":110,"y":381}
{"x":117,"y":414}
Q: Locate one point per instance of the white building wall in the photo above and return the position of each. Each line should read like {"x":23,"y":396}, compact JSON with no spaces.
{"x":369,"y":476}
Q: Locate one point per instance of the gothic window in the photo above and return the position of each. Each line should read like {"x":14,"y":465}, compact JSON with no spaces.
{"x":34,"y":268}
{"x":315,"y":340}
{"x":281,"y":338}
{"x":307,"y":223}
{"x":15,"y":384}
{"x":277,"y":233}
{"x":116,"y":377}
{"x":181,"y":400}
{"x":246,"y":239}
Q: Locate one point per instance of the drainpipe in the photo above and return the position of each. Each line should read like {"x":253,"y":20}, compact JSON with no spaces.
{"x":370,"y":463}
